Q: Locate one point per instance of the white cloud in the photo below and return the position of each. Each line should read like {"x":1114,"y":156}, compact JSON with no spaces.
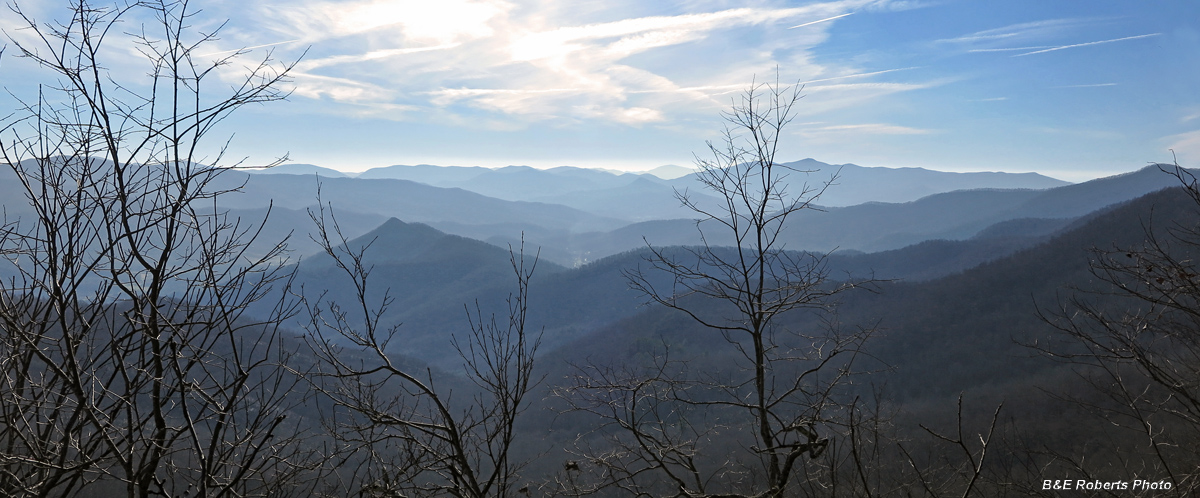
{"x":246,"y":49}
{"x":634,"y":116}
{"x":315,"y":86}
{"x":851,"y":94}
{"x":311,"y":64}
{"x":639,"y":34}
{"x":418,"y":21}
{"x":1186,"y":147}
{"x":531,"y":102}
{"x":520,"y":60}
{"x":902,"y":5}
{"x":588,"y":58}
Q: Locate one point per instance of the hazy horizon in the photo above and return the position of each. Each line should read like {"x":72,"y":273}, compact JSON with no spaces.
{"x":1072,"y":177}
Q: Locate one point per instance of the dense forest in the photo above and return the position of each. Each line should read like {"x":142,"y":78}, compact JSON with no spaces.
{"x":171,"y":325}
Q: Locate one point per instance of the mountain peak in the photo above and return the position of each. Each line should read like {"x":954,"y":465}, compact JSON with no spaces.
{"x":394,"y":231}
{"x":392,"y":223}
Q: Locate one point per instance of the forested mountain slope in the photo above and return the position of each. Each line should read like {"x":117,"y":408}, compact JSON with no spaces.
{"x":963,"y":332}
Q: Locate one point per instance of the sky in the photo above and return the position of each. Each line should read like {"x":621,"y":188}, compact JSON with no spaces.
{"x":1068,"y":88}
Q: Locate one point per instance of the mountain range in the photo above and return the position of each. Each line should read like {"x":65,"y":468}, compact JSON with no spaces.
{"x":578,"y":215}
{"x":868,"y":227}
{"x":437,"y":248}
{"x":432,"y":273}
{"x":976,"y":334}
{"x":641,"y":197}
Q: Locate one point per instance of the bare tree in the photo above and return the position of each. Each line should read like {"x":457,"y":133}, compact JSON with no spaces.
{"x":403,"y":432}
{"x":679,"y":430}
{"x":127,"y":358}
{"x":776,"y":413}
{"x":1134,"y":338}
{"x":958,"y":468}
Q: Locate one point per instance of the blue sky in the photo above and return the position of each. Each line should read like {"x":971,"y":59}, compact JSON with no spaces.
{"x":1069,"y":88}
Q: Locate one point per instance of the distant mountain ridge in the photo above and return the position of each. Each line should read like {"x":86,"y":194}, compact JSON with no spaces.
{"x":578,"y":215}
{"x":859,"y":184}
{"x":855,"y":184}
{"x":299,"y":169}
{"x":402,"y":199}
{"x":425,"y":173}
{"x":638,"y":197}
{"x":606,"y":221}
{"x":873,"y":227}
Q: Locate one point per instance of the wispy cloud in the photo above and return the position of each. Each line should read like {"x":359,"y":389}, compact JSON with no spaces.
{"x":712,"y":89}
{"x":501,"y":59}
{"x":315,"y":86}
{"x":1087,"y":44}
{"x":309,"y":65}
{"x":857,"y":75}
{"x":509,"y":101}
{"x":737,"y":87}
{"x":639,"y":34}
{"x":864,"y":129}
{"x":1091,"y":85}
{"x":879,"y":129}
{"x":993,"y":99}
{"x":902,"y":5}
{"x":439,"y":22}
{"x":1185,"y":145}
{"x":830,"y":97}
{"x":223,"y":52}
{"x":889,"y":87}
{"x":1092,"y":134}
{"x":1011,"y":49}
{"x":1020,"y":32}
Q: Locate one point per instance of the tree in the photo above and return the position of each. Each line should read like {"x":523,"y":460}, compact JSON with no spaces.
{"x":677,"y":430}
{"x":127,"y":358}
{"x":1133,"y":338}
{"x":402,"y":431}
{"x":781,"y":410}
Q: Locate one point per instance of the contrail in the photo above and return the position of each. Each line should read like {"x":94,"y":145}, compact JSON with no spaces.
{"x":856,"y":75}
{"x":1088,"y":43}
{"x":1014,"y":49}
{"x":1093,"y":85}
{"x":247,"y":48}
{"x":822,"y":20}
{"x":740,"y":86}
